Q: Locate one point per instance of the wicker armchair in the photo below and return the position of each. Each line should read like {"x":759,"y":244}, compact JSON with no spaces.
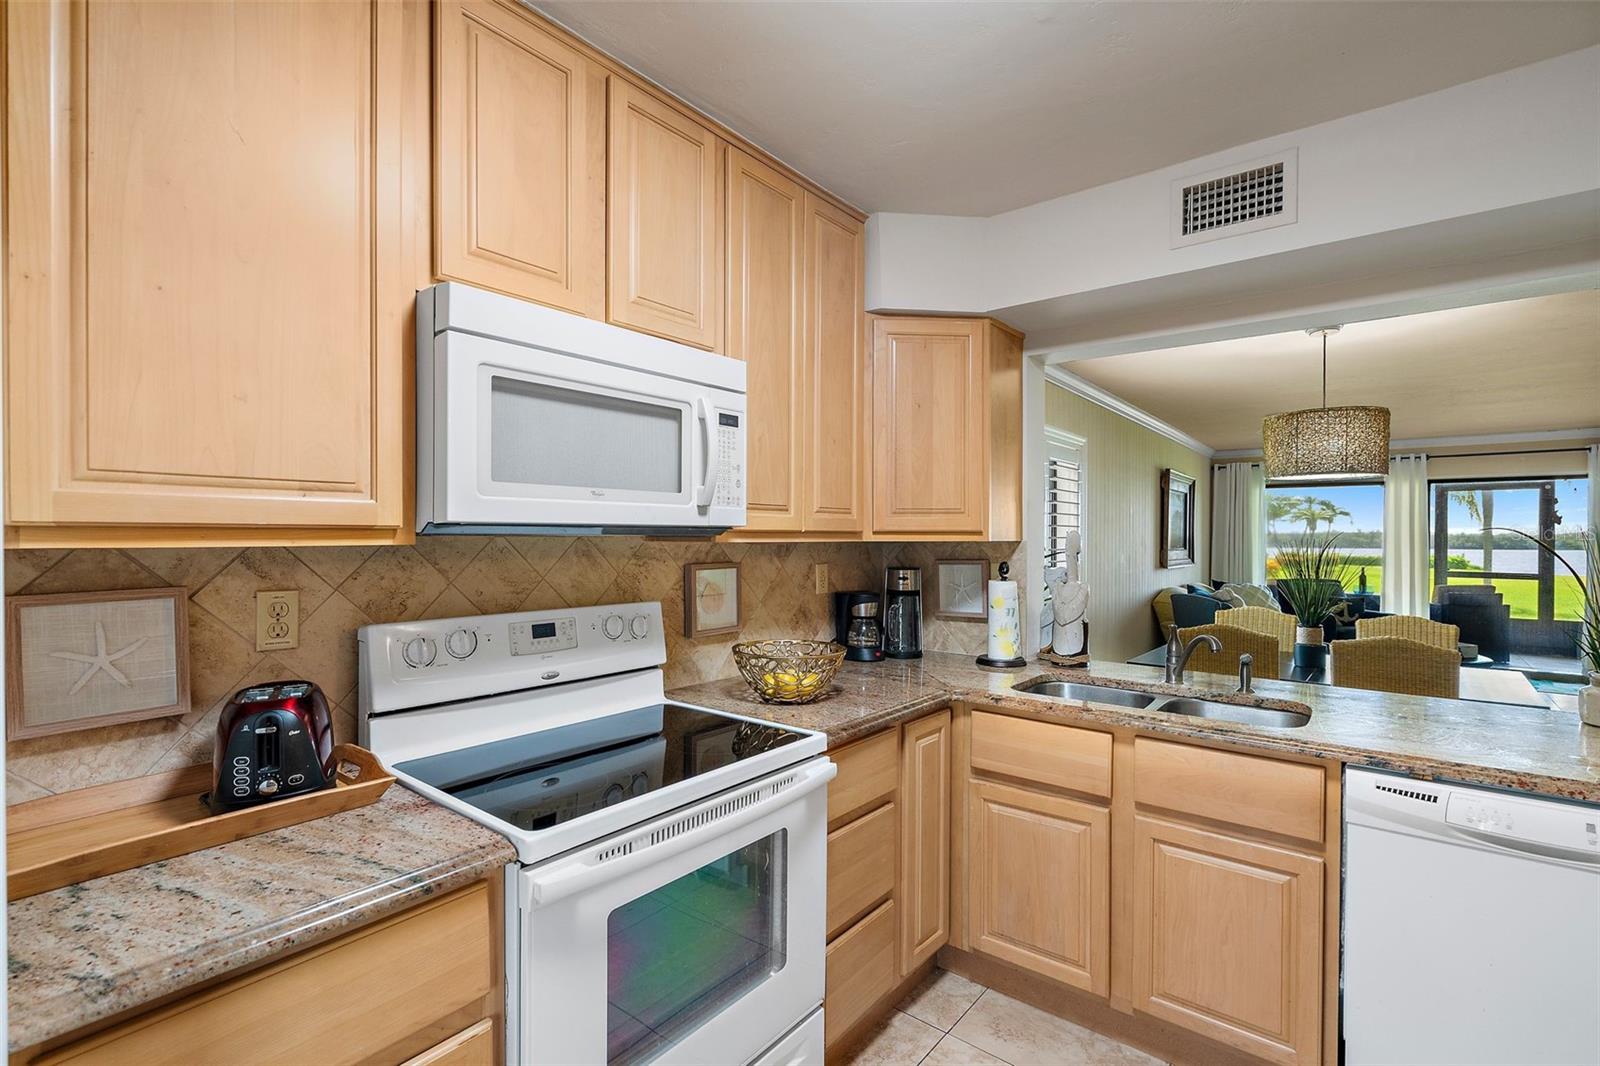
{"x":1395,"y":664}
{"x":1235,"y":642}
{"x":1410,"y":627}
{"x":1275,"y":624}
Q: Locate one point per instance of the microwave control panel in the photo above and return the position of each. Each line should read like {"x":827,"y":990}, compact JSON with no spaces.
{"x":730,"y":455}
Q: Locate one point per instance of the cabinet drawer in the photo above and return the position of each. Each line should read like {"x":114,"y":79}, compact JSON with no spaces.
{"x":366,"y":992}
{"x":473,"y":1046}
{"x":1226,"y":786}
{"x":1061,"y":756}
{"x":868,"y":772}
{"x":861,"y":969}
{"x":861,"y":865}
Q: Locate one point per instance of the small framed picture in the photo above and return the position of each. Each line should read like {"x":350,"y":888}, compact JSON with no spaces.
{"x":959,"y":588}
{"x":83,"y":659}
{"x":1177,"y":519}
{"x":711,"y":597}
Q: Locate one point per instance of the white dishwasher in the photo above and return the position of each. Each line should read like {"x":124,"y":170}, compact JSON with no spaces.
{"x":1471,"y":925}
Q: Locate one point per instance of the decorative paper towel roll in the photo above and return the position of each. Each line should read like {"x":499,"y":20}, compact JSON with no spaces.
{"x":1005,"y":631}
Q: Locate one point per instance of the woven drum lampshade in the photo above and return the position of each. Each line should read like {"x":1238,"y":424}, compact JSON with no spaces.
{"x":1326,"y":442}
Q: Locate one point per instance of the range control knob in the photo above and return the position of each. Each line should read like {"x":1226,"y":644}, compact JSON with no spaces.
{"x":612,"y":626}
{"x":461,"y":643}
{"x":640,"y":626}
{"x":419,"y":652}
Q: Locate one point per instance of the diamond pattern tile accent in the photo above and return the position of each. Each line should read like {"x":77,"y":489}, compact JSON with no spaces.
{"x":344,"y":587}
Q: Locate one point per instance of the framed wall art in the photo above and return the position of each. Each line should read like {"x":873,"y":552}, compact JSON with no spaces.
{"x":83,"y":659}
{"x":711,"y":596}
{"x":1177,"y":519}
{"x":959,"y":586}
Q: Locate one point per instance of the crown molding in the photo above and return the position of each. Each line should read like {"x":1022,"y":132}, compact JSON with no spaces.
{"x":1117,"y":405}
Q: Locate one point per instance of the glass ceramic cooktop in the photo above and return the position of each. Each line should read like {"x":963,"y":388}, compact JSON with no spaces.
{"x":542,"y":779}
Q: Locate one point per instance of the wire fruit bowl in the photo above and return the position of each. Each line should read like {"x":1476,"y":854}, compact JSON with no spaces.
{"x":788,"y":671}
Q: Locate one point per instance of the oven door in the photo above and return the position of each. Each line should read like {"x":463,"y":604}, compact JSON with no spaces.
{"x":695,"y":938}
{"x":532,"y":437}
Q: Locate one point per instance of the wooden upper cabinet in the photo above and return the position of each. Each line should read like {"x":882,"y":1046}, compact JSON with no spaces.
{"x":519,"y":158}
{"x":946,"y":428}
{"x":211,"y":325}
{"x":834,"y":404}
{"x":664,"y":256}
{"x":930,"y":426}
{"x":766,"y":251}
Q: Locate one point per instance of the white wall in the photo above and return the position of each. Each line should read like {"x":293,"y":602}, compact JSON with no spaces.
{"x":1526,"y":135}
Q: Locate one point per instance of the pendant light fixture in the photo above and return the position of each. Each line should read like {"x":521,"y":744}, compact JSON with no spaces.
{"x":1326,"y":443}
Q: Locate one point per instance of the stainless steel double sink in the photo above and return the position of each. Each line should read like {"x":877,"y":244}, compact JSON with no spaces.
{"x":1148,"y":701}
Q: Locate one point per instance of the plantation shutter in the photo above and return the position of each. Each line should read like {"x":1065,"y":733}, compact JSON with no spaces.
{"x":1063,"y":514}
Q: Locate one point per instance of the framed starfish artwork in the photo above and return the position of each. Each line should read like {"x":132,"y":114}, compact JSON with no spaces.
{"x":82,"y":659}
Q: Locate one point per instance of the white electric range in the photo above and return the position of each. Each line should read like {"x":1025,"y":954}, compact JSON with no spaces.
{"x":666,"y":903}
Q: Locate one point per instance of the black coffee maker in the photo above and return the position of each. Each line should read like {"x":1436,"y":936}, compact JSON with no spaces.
{"x":856,"y":625}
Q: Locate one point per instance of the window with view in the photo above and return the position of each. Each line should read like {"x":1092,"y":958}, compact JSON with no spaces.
{"x":1063,"y":512}
{"x":1481,"y":534}
{"x":1354,"y":510}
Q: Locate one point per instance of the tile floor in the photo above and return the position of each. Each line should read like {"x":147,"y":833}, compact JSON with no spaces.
{"x":948,"y":1020}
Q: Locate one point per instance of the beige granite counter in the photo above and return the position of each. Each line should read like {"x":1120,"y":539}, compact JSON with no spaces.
{"x":1537,"y":749}
{"x":95,"y":949}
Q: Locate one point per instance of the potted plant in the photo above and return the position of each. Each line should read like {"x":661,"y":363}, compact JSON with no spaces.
{"x":1312,"y":577}
{"x":1589,"y":625}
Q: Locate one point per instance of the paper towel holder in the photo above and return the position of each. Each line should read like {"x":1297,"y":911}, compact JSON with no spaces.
{"x":1005,"y":624}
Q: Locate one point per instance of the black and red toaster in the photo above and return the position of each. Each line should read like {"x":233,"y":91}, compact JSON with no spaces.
{"x":273,"y":740}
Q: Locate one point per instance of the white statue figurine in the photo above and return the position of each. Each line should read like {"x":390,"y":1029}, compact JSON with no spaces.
{"x":1069,"y":597}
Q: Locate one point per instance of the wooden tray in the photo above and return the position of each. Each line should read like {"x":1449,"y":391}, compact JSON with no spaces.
{"x":91,"y":832}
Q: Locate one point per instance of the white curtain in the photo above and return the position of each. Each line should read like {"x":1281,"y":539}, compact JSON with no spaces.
{"x":1405,"y":537}
{"x":1594,"y":500}
{"x":1239,"y":523}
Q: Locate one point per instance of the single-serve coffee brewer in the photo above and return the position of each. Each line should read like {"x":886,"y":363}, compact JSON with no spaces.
{"x":902,"y":612}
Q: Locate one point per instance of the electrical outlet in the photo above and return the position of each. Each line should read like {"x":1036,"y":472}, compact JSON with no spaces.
{"x":819,"y":578}
{"x":277,"y":621}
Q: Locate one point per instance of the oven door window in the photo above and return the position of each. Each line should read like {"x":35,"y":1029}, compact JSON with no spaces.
{"x":680,"y":954}
{"x":544,"y":435}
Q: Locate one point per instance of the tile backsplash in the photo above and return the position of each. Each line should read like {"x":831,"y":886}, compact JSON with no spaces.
{"x":343,"y":588}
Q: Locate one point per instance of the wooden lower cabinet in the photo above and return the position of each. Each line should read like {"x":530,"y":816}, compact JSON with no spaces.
{"x":424,"y":986}
{"x":862,"y":965}
{"x":861,"y":868}
{"x":924,"y":839}
{"x":1228,"y":939}
{"x":1040,"y":886}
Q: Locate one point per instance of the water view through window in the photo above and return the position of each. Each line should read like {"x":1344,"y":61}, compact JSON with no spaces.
{"x":1354,"y":511}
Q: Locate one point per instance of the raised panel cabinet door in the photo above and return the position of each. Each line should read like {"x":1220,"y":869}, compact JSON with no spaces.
{"x":835,"y":386}
{"x":929,"y":426}
{"x":1039,"y":883}
{"x":519,"y":158}
{"x":212,"y":323}
{"x":924,"y":839}
{"x":664,"y":259}
{"x":1228,"y":939}
{"x":766,"y":246}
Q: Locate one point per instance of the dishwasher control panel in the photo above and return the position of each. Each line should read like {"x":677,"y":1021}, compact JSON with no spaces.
{"x":1567,"y":828}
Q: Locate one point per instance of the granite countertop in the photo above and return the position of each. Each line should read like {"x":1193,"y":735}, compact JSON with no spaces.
{"x":95,"y":949}
{"x":1535,"y":749}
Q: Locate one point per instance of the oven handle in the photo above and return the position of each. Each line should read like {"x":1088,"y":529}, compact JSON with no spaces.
{"x":708,"y":487}
{"x":562,"y":879}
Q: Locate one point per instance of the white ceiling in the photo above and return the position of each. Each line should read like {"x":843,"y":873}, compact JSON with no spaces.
{"x":973,"y":108}
{"x":1514,"y":367}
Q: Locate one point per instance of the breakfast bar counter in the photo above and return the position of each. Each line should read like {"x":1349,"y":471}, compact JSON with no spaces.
{"x":103,"y":947}
{"x":1534,"y":749}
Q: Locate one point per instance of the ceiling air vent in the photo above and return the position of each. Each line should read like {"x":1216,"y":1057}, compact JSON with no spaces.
{"x":1235,"y":199}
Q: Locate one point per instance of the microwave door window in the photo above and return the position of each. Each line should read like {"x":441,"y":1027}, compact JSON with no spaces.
{"x":547,"y":435}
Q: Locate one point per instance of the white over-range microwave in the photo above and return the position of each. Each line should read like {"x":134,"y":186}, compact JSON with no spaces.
{"x":533,"y":420}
